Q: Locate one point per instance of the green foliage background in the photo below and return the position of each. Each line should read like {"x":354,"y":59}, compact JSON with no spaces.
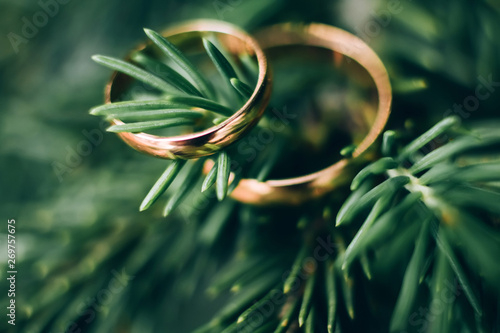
{"x":76,"y":228}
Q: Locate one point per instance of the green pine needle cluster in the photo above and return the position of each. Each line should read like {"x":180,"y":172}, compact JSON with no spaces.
{"x":186,"y":98}
{"x":419,"y":256}
{"x":433,"y":193}
{"x":433,"y":201}
{"x":442,"y":195}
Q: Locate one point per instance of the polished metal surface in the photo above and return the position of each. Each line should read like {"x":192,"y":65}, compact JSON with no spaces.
{"x":213,"y":139}
{"x":297,"y":190}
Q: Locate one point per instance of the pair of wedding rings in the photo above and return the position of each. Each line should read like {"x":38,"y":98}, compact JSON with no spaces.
{"x":285,"y":191}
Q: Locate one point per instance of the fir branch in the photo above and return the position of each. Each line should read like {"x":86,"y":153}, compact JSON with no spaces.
{"x":174,"y":109}
{"x":166,"y":73}
{"x":162,"y":183}
{"x":180,"y":59}
{"x":435,"y":195}
{"x":135,"y":72}
{"x":150,"y":125}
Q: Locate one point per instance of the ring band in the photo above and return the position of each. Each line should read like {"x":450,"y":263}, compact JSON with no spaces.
{"x":300,"y":189}
{"x":215,"y":138}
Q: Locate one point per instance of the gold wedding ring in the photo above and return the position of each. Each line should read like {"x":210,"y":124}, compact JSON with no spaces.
{"x":215,"y":138}
{"x":300,"y":189}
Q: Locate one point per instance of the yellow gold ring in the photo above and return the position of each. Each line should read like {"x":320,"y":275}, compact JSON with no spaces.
{"x":213,"y":139}
{"x":300,"y":189}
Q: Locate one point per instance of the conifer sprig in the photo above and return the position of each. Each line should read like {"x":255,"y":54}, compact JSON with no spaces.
{"x":186,"y":99}
{"x":428,"y":202}
{"x":449,"y":245}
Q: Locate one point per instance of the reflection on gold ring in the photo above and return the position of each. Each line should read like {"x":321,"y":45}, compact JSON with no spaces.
{"x":213,"y":139}
{"x":300,"y":189}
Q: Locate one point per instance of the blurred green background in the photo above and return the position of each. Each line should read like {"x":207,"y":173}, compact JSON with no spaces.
{"x":74,"y":189}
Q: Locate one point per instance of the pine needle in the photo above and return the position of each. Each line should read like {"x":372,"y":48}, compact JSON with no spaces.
{"x":296,"y":268}
{"x":150,"y":125}
{"x":242,"y":88}
{"x":311,"y":320}
{"x":187,"y":185}
{"x":375,"y":168}
{"x":119,"y":107}
{"x":331,"y":296}
{"x":221,"y":63}
{"x":445,"y":152}
{"x":166,"y":73}
{"x":388,"y":143}
{"x":156,"y":115}
{"x":232,"y":272}
{"x":353,"y":249}
{"x":210,"y":178}
{"x":215,"y":221}
{"x":365,"y":265}
{"x":445,"y":247}
{"x":200,"y":102}
{"x":347,"y":151}
{"x":409,"y":288}
{"x":162,"y":183}
{"x":180,"y":59}
{"x":307,"y":299}
{"x":290,"y":308}
{"x":135,"y":72}
{"x":428,"y":136}
{"x":258,"y":288}
{"x":257,"y":305}
{"x":351,"y":207}
{"x":223,"y":172}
